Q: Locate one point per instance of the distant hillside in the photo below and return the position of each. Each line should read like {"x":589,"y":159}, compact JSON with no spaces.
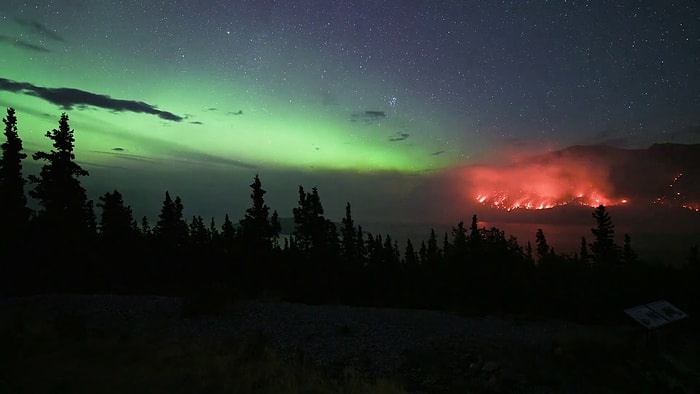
{"x":666,"y":174}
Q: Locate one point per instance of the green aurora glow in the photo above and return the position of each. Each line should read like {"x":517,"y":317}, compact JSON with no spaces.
{"x":283,"y":127}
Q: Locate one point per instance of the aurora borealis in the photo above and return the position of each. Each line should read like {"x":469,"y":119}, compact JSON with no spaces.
{"x":376,"y":102}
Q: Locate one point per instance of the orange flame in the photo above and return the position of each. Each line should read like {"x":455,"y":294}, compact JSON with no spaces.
{"x":540,"y":185}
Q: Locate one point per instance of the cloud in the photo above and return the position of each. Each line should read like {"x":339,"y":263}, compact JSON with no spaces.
{"x":118,"y":149}
{"x":23,"y":44}
{"x":399,"y":137}
{"x":196,"y":122}
{"x":367,"y":117}
{"x":67,"y":98}
{"x":37,"y":27}
{"x":30,"y":46}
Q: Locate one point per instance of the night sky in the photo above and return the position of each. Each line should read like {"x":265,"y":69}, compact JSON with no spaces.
{"x":374,"y":102}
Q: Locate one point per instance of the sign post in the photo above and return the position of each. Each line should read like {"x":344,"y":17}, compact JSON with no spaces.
{"x":654,"y":315}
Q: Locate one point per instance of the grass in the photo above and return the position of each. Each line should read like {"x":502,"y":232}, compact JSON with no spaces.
{"x":66,"y":357}
{"x":615,"y":360}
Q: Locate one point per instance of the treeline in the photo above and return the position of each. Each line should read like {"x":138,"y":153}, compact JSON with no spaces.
{"x":65,"y":247}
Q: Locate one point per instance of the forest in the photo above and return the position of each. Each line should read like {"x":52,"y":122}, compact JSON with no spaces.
{"x":71,"y":244}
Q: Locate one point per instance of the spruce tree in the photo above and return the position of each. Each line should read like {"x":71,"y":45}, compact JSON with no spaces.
{"x":14,"y":214}
{"x":116,"y":221}
{"x":256,"y":230}
{"x":65,"y":208}
{"x":433,"y":253}
{"x":528,"y":253}
{"x":542,"y":247}
{"x":200,"y":237}
{"x":410,"y":256}
{"x":316,"y":236}
{"x":423,"y":254}
{"x":146,"y":231}
{"x":349,"y":236}
{"x":460,"y":242}
{"x":360,"y":248}
{"x":583,"y":252}
{"x":604,"y":249}
{"x":171,"y":231}
{"x":629,"y":256}
{"x":475,"y":240}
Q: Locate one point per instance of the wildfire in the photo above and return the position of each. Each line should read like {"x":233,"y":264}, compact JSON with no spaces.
{"x":541,"y":186}
{"x":677,"y":198}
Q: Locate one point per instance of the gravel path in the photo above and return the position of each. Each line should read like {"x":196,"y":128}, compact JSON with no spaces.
{"x":375,"y":339}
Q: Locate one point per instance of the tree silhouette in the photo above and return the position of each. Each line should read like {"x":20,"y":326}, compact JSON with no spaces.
{"x":583,"y":252}
{"x":14,"y":214}
{"x":629,"y":256}
{"x":433,"y":254}
{"x":474,"y":240}
{"x":146,"y":231}
{"x":65,"y":207}
{"x":349,"y":235}
{"x":542,"y":247}
{"x":171,"y":231}
{"x":200,"y":237}
{"x":257,"y":232}
{"x":410,"y":255}
{"x":603,"y":247}
{"x":460,"y":242}
{"x":360,"y":248}
{"x":528,"y":253}
{"x":423,"y":254}
{"x":116,"y":221}
{"x":314,"y":234}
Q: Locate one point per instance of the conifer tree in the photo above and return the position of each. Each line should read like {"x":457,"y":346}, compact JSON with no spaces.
{"x":459,"y":240}
{"x":256,"y":231}
{"x":446,"y":244}
{"x":604,"y":249}
{"x":360,"y":248}
{"x":116,"y":221}
{"x":423,"y":254}
{"x":433,"y":252}
{"x":629,"y":256}
{"x":315,"y":235}
{"x":146,"y":230}
{"x":199,"y":233}
{"x":583,"y":252}
{"x":65,"y":207}
{"x":228,"y":232}
{"x":410,"y":256}
{"x":227,"y":236}
{"x":14,"y":214}
{"x":171,"y":231}
{"x":528,"y":253}
{"x":213,"y":230}
{"x":543,"y":250}
{"x":349,"y":236}
{"x":474,"y":240}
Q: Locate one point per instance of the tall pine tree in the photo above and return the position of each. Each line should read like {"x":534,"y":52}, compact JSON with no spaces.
{"x":116,"y":221}
{"x":65,"y":208}
{"x":603,"y":248}
{"x":258,"y":233}
{"x":14,"y":214}
{"x":171,"y":232}
{"x":349,"y":236}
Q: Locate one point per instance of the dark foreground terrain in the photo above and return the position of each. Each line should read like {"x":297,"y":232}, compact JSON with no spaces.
{"x":106,"y":343}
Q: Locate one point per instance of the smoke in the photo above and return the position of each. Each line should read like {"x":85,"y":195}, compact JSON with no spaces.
{"x":539,"y":184}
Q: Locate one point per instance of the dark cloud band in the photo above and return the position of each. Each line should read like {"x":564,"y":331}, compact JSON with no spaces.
{"x":67,"y":98}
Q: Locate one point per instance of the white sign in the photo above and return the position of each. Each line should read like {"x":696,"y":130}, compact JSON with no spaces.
{"x":668,"y":311}
{"x":655,"y":314}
